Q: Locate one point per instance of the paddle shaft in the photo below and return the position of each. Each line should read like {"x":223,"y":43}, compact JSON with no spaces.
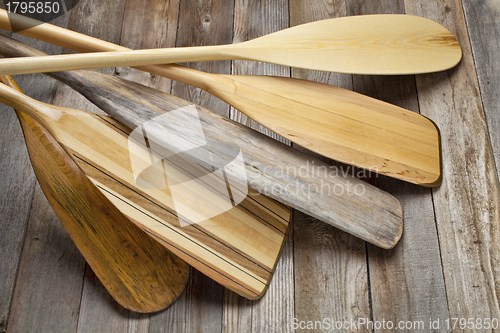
{"x":371,"y":44}
{"x":138,"y":272}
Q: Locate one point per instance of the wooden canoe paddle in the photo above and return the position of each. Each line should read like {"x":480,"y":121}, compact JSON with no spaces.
{"x":138,"y":272}
{"x":238,"y":248}
{"x":366,"y":44}
{"x":331,"y":121}
{"x":291,"y":177}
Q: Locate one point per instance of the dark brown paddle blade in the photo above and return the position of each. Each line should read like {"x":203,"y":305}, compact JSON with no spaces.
{"x":138,"y":272}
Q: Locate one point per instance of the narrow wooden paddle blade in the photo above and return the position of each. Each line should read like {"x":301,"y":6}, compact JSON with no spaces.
{"x":238,"y":248}
{"x":386,"y":44}
{"x":350,"y":128}
{"x":289,"y":176}
{"x":371,"y":44}
{"x":140,"y":274}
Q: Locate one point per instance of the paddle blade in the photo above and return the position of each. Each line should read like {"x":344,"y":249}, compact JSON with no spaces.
{"x":342,"y":125}
{"x":366,"y":44}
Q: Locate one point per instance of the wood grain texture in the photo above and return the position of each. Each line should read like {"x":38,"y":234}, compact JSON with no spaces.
{"x":252,"y":20}
{"x":149,"y":26}
{"x":275,"y":310}
{"x":467,"y":203}
{"x":156,"y":26}
{"x":394,"y":272}
{"x":482,"y":25}
{"x":465,"y":233}
{"x":18,"y":182}
{"x":204,"y":22}
{"x":50,"y":279}
{"x":295,"y":179}
{"x":331,"y":121}
{"x":139,"y":273}
{"x":99,"y":313}
{"x":304,"y":184}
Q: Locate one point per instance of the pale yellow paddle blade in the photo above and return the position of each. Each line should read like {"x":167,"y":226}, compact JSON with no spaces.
{"x":366,"y":44}
{"x":342,"y":125}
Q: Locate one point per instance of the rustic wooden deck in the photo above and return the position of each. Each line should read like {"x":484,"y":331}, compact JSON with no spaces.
{"x":446,"y":265}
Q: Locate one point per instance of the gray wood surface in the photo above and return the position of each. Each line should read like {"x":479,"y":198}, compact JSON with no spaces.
{"x":445,"y":266}
{"x":396,"y":272}
{"x":467,"y":203}
{"x":331,"y":277}
{"x":484,"y":31}
{"x":18,"y":197}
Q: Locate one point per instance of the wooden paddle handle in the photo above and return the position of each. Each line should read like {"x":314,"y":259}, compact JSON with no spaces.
{"x":18,"y":100}
{"x":80,"y":42}
{"x":135,"y":58}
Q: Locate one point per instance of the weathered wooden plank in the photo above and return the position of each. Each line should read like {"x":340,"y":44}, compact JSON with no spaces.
{"x":274,"y":311}
{"x":399,"y":271}
{"x":331,"y":273}
{"x":17,"y":183}
{"x":92,"y":17}
{"x":50,"y":279}
{"x":331,"y":277}
{"x":101,"y":314}
{"x":484,"y":33}
{"x":145,"y":26}
{"x":407,"y":282}
{"x":204,"y":22}
{"x":18,"y":180}
{"x":467,"y":203}
{"x":252,"y":20}
{"x":199,"y":309}
{"x":399,"y":290}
